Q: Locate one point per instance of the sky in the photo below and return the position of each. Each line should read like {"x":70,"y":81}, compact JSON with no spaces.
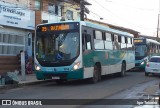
{"x":139,"y":15}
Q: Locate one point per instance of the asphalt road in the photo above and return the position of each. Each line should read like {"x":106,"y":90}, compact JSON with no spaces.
{"x":108,"y":87}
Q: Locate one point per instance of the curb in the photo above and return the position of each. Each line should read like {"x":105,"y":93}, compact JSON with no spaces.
{"x":11,"y":86}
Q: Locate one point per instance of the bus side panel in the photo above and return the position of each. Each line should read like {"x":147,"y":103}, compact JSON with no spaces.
{"x":88,"y":63}
{"x":130,"y":60}
{"x":111,"y":61}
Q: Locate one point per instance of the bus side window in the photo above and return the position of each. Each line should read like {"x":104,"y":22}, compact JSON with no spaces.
{"x":116,"y":43}
{"x":86,"y":41}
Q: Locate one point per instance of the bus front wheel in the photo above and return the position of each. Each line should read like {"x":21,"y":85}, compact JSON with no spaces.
{"x":96,"y":75}
{"x":123,"y":69}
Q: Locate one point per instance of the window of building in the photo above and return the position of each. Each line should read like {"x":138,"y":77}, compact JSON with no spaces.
{"x":11,"y":44}
{"x":78,"y":16}
{"x":51,"y":8}
{"x":37,"y":4}
{"x":69,"y":14}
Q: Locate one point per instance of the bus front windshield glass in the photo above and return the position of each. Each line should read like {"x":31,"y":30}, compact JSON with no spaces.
{"x":59,"y":46}
{"x":140,"y":51}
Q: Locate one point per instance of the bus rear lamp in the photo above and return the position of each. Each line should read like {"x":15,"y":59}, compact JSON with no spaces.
{"x":37,"y":68}
{"x":76,"y":66}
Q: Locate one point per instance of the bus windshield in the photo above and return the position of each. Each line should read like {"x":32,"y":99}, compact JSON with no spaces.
{"x":140,"y":51}
{"x":57,"y":47}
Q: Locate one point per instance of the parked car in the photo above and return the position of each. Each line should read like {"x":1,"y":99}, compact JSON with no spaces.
{"x":153,"y":66}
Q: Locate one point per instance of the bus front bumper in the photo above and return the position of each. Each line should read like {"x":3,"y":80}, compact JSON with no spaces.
{"x":68,"y":75}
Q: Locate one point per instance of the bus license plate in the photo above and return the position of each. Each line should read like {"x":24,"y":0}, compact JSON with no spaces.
{"x":55,"y":77}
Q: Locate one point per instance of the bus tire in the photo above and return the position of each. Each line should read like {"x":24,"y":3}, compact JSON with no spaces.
{"x":123,"y":70}
{"x":95,"y":77}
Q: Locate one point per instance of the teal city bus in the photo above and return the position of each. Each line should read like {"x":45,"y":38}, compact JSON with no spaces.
{"x":81,"y":50}
{"x":144,"y":49}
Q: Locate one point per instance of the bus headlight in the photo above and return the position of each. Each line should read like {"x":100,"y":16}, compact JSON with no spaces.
{"x":145,"y":61}
{"x":37,"y":68}
{"x":76,"y":66}
{"x":142,"y":63}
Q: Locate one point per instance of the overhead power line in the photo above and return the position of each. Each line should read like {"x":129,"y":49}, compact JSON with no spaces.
{"x":131,"y":6}
{"x":124,"y":20}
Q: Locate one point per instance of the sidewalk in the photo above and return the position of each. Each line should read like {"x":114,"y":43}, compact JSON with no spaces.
{"x":30,"y":80}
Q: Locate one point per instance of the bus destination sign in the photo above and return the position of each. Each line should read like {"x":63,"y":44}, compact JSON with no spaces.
{"x":54,"y":27}
{"x":139,"y":41}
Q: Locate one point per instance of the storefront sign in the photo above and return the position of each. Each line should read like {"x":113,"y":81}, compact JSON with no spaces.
{"x":10,"y":15}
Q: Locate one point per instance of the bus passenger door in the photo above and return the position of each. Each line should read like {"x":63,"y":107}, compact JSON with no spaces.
{"x":86,"y":42}
{"x":87,"y":55}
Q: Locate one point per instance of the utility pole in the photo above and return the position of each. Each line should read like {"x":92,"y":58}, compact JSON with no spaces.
{"x":82,"y":7}
{"x":158,"y":28}
{"x":158,"y":23}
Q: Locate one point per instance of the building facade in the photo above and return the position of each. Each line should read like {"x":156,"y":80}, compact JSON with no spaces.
{"x":16,"y":28}
{"x":46,"y":11}
{"x":71,"y":11}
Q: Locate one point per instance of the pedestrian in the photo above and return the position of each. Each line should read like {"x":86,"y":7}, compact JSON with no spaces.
{"x":28,"y":67}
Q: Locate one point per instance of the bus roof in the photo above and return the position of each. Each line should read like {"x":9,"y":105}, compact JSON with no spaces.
{"x":152,"y":41}
{"x":149,"y":40}
{"x":93,"y":25}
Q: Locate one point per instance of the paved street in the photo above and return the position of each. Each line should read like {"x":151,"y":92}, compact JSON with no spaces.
{"x":109,"y":87}
{"x":78,"y":89}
